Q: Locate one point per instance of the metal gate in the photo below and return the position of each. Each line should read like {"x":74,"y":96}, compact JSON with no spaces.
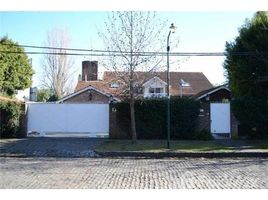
{"x":54,"y":119}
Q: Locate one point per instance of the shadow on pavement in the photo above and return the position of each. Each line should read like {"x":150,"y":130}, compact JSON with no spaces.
{"x":48,"y":146}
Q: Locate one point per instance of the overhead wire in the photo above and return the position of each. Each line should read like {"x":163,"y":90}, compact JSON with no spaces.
{"x":97,"y":52}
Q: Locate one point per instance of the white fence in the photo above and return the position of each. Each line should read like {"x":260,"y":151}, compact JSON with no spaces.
{"x":50,"y":119}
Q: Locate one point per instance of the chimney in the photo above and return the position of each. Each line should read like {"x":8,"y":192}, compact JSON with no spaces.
{"x":89,"y":70}
{"x":79,"y":77}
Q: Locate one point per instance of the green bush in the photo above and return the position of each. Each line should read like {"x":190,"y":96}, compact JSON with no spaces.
{"x":10,"y":119}
{"x":252,"y":113}
{"x":150,"y":115}
{"x":204,"y":134}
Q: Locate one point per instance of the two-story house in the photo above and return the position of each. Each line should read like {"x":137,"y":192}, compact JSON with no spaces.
{"x":91,"y":89}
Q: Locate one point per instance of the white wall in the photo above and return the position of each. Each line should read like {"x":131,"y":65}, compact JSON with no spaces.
{"x":68,"y":118}
{"x":21,"y":94}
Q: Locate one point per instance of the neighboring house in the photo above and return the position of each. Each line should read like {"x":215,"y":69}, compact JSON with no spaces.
{"x":90,"y":89}
{"x":23,"y":95}
{"x":215,"y":113}
{"x":28,"y":94}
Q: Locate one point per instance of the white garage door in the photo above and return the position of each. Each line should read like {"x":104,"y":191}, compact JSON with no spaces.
{"x":220,"y":119}
{"x":50,"y":119}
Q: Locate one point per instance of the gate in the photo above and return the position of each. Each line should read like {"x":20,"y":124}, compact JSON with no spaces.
{"x":220,"y":120}
{"x":54,"y":119}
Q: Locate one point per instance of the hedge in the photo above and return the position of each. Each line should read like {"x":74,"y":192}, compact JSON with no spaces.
{"x":252,"y":114}
{"x":11,"y":116}
{"x":151,"y":119}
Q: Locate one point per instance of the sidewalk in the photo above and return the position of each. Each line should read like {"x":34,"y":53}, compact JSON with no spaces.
{"x":49,"y":147}
{"x":89,"y":147}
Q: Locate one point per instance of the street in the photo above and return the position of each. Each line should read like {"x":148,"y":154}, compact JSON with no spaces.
{"x":103,"y":173}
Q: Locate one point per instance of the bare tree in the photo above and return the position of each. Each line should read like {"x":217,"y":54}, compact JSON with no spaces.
{"x":57,"y":67}
{"x":128,"y":36}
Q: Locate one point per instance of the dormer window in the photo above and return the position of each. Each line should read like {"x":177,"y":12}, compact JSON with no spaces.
{"x":114,"y":85}
{"x":183,"y":83}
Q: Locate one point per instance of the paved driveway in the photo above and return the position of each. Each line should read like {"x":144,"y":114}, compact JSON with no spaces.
{"x":133,"y":173}
{"x":49,"y":146}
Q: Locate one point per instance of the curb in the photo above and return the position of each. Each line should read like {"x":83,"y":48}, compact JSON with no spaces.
{"x":148,"y":155}
{"x":183,"y":154}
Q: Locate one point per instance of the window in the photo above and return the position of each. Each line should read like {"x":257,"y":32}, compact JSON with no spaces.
{"x":183,"y":83}
{"x":156,"y":90}
{"x":151,"y":90}
{"x":114,"y":85}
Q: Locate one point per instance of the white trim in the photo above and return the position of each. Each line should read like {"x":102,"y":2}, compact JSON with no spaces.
{"x":83,"y":90}
{"x":156,"y":77}
{"x":33,"y":102}
{"x":212,"y":91}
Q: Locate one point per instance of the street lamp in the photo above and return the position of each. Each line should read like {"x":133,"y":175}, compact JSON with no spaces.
{"x":172,"y":30}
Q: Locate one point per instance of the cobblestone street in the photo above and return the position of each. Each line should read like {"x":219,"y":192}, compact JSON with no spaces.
{"x":133,"y":173}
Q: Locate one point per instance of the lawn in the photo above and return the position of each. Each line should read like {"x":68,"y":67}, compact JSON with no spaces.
{"x":182,"y":145}
{"x":160,"y":146}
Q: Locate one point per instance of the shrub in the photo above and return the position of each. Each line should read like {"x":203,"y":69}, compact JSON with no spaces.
{"x":204,"y":134}
{"x":252,"y":113}
{"x":11,"y":113}
{"x":150,"y":115}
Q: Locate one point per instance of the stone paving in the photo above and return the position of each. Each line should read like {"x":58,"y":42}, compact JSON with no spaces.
{"x":49,"y":146}
{"x":133,"y":173}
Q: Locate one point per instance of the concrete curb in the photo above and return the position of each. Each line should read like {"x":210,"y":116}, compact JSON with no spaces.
{"x":183,"y":154}
{"x":135,"y":154}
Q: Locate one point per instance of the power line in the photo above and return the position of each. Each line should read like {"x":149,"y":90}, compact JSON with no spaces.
{"x":120,"y":53}
{"x":139,"y":54}
{"x":54,"y":53}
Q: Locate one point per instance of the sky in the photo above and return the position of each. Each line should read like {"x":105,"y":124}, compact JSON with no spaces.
{"x":197,"y":31}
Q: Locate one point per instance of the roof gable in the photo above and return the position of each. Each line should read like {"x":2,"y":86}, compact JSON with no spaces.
{"x":211,"y":91}
{"x":84,"y":90}
{"x":155,"y":79}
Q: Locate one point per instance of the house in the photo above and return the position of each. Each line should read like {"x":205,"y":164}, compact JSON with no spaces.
{"x":87,"y":111}
{"x":28,"y":94}
{"x":215,"y":113}
{"x":91,"y":89}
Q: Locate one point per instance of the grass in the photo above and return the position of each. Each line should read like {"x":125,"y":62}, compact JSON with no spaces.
{"x":255,"y":144}
{"x":161,"y":146}
{"x":182,"y":145}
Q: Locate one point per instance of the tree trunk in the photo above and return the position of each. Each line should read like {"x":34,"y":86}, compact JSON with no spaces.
{"x":131,"y":87}
{"x":132,"y":120}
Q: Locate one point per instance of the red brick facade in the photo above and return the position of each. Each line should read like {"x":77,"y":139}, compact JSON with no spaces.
{"x":88,"y":96}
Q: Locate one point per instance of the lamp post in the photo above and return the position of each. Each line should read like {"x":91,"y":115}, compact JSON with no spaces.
{"x":172,"y":30}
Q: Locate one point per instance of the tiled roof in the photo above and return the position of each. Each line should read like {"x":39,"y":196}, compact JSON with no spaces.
{"x":197,"y":80}
{"x":211,"y":90}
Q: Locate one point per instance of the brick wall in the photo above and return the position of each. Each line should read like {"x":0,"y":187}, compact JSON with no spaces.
{"x":204,"y":116}
{"x":89,"y":70}
{"x":115,"y":132}
{"x":89,"y":96}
